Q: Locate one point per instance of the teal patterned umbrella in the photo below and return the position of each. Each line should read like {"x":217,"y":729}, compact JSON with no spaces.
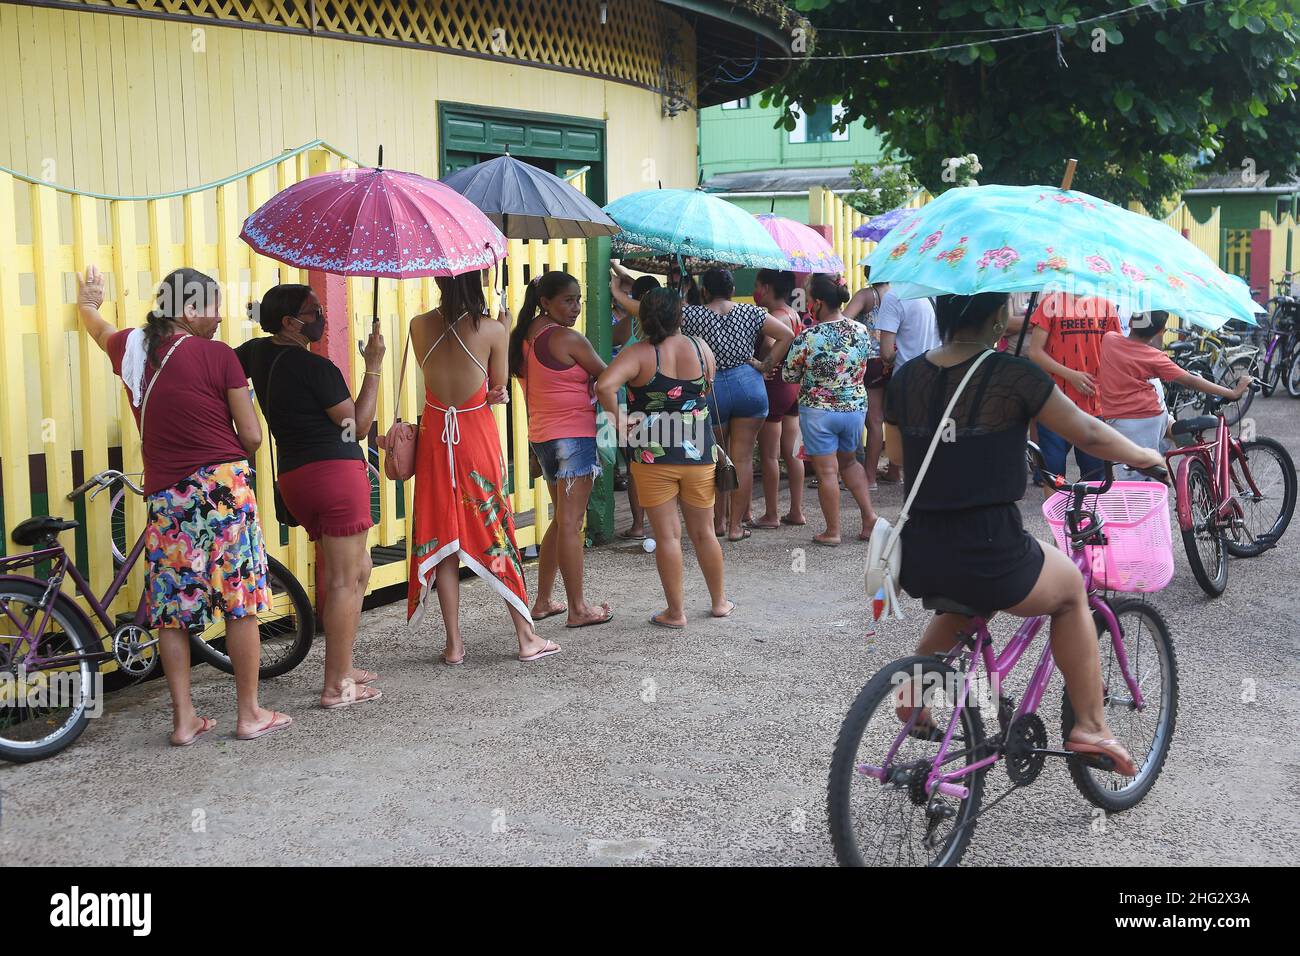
{"x":693,"y":225}
{"x":1045,"y":239}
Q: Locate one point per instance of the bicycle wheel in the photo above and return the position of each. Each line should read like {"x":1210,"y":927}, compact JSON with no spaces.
{"x":287,"y":629}
{"x":1293,"y":376}
{"x":892,"y":822}
{"x":50,"y":708}
{"x":1274,"y":368}
{"x":1268,"y":514}
{"x":1204,"y":544}
{"x":1183,"y":402}
{"x":1145,"y":733}
{"x":1233,"y":411}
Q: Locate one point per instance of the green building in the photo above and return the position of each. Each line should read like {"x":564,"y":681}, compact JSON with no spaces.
{"x":1241,"y":201}
{"x":744,"y":158}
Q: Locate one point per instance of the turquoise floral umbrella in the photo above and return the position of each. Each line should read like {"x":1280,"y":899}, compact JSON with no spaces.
{"x":1044,"y":239}
{"x":699,"y":228}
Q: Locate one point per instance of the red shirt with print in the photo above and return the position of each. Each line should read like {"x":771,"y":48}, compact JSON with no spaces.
{"x":1075,"y":326}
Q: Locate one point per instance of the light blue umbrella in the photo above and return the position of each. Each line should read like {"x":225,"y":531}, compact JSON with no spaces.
{"x":695,"y":226}
{"x":1044,"y":239}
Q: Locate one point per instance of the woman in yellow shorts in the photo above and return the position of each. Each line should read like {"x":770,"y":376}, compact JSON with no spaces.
{"x":670,"y":438}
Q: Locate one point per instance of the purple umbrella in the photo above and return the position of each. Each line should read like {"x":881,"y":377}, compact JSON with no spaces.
{"x":876,"y":227}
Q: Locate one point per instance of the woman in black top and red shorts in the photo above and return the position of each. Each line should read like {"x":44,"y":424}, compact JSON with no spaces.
{"x":321,"y":469}
{"x":965,"y":539}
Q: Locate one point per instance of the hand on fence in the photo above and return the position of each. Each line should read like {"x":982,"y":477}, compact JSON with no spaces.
{"x":90,"y":289}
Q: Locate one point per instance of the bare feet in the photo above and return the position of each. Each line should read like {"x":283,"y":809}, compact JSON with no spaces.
{"x":183,"y":736}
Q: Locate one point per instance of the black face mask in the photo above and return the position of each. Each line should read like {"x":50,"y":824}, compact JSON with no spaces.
{"x":313,"y":331}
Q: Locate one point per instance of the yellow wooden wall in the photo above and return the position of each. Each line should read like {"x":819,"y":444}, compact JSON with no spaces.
{"x":128,"y":106}
{"x":827,"y":209}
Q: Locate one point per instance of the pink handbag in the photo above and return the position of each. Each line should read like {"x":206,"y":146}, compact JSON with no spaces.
{"x":399,"y":443}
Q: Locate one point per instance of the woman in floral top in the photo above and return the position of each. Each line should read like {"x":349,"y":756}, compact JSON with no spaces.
{"x":829,"y":362}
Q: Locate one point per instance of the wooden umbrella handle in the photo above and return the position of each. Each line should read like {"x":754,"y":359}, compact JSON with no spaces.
{"x":1068,"y":178}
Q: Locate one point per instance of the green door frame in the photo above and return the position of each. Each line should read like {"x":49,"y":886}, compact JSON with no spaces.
{"x":600,"y":512}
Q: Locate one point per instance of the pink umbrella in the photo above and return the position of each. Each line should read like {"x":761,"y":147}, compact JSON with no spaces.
{"x":807,"y":251}
{"x":374,"y":222}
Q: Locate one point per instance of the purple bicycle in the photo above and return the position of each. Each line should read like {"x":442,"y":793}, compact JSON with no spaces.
{"x":50,"y":649}
{"x":905,"y":793}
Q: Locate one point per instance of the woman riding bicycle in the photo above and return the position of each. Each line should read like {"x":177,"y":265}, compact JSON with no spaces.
{"x":965,"y":539}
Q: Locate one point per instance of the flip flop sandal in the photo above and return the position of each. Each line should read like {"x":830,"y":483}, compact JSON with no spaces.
{"x":456,"y":663}
{"x":763,"y":527}
{"x":629,"y":536}
{"x":745,"y":533}
{"x":270,"y":727}
{"x":374,"y":694}
{"x":795,"y":524}
{"x":654,"y":619}
{"x":826,"y":544}
{"x":549,"y":648}
{"x":1107,"y":748}
{"x":723,"y":617}
{"x":369,"y":680}
{"x":563,"y":610}
{"x":609,"y":616}
{"x":208,"y":725}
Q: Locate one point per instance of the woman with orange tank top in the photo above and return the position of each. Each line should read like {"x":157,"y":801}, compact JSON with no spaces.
{"x":557,"y":365}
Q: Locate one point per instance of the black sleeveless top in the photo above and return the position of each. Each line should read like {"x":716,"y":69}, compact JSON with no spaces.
{"x":668,"y":419}
{"x":985,"y":464}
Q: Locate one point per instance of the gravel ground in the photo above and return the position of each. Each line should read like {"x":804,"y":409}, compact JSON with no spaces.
{"x":705,"y":746}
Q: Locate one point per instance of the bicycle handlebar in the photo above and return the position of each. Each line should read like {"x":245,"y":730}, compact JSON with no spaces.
{"x":104,"y":479}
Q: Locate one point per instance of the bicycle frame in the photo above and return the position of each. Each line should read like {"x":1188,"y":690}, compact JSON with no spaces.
{"x":1217,"y":457}
{"x":977,"y":646}
{"x":53,"y":586}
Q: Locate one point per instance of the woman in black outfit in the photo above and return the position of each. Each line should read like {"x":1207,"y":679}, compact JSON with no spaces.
{"x":321,"y":468}
{"x":965,"y":539}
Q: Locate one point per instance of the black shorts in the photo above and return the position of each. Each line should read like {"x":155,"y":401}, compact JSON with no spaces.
{"x":982,"y":557}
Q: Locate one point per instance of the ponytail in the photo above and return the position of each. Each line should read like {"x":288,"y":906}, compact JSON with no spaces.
{"x":544,"y":286}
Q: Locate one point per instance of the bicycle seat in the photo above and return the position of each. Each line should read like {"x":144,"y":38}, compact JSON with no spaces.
{"x":40,"y":528}
{"x":1190,"y":426}
{"x":1178,"y":348}
{"x":1230,"y":339}
{"x":944,"y":605}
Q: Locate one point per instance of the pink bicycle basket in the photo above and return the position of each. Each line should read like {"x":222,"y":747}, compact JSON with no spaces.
{"x":1139,"y":553}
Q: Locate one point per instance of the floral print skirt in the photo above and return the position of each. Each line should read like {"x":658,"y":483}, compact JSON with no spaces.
{"x":204,"y":550}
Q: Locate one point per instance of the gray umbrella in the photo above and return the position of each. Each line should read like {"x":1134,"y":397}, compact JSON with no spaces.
{"x":525,"y":202}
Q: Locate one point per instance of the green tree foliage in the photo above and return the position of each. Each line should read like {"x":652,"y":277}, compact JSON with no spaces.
{"x":880,"y":187}
{"x":1140,"y":97}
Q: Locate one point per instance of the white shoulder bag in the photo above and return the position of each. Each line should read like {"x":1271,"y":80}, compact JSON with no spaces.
{"x":885,"y":552}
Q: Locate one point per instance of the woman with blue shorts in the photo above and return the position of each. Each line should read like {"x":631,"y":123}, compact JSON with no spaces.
{"x":829,"y":362}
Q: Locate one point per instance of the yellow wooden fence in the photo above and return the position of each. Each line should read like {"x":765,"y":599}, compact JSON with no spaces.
{"x":61,"y":399}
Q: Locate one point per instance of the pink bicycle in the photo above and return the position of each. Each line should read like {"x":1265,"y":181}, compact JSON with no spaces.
{"x":902,"y":793}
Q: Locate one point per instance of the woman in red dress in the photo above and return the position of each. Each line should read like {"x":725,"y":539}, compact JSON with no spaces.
{"x":461,"y":511}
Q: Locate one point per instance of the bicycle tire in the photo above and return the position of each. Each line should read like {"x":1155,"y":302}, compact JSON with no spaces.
{"x":1271,"y":375}
{"x":81,"y":641}
{"x":1183,"y":402}
{"x":1277,"y":527}
{"x":1200,"y":494}
{"x":1293,"y":375}
{"x":843,"y":772}
{"x":300,"y":629}
{"x":1092,"y":783}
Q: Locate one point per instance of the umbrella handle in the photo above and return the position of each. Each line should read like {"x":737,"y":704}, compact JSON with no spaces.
{"x":1068,"y":179}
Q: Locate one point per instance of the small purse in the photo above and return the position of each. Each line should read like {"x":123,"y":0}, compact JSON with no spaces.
{"x":400,"y":440}
{"x":724,"y":469}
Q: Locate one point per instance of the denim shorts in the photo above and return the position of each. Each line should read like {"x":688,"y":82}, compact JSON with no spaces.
{"x":826,"y":432}
{"x":738,"y":392}
{"x":567,"y":458}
